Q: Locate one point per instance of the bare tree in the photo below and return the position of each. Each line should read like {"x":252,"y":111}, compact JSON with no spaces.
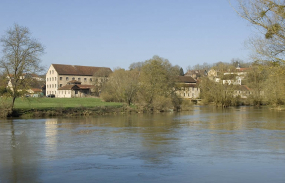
{"x":20,"y":56}
{"x":100,"y":78}
{"x":268,"y":17}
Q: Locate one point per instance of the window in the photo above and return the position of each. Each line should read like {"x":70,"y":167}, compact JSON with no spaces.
{"x":60,"y":85}
{"x":49,"y":72}
{"x":52,"y":85}
{"x":52,"y":71}
{"x":55,"y":78}
{"x":55,"y":85}
{"x":73,"y":78}
{"x":91,"y":79}
{"x":47,"y":79}
{"x":85,"y":80}
{"x":60,"y":78}
{"x":52,"y":79}
{"x":68,"y":92}
{"x":76,"y":92}
{"x":66,"y":78}
{"x":79,"y":79}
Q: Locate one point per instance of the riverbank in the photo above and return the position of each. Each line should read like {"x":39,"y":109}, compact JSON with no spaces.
{"x":45,"y":107}
{"x":52,"y":107}
{"x":72,"y":111}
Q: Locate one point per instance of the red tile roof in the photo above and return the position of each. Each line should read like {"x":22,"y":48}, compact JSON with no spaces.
{"x":185,"y":79}
{"x":77,"y":69}
{"x":36,"y":89}
{"x":243,"y":69}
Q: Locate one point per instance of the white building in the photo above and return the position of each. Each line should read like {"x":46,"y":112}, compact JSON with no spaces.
{"x":67,"y":81}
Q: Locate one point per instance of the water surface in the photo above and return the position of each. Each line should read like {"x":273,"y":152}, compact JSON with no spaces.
{"x":206,"y":144}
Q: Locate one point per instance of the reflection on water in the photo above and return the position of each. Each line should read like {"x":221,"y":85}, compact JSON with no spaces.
{"x":203,"y":145}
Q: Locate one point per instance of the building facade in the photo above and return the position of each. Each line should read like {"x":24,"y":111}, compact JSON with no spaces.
{"x":59,"y":76}
{"x":188,"y":87}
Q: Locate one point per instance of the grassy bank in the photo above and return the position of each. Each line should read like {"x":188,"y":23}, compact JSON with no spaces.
{"x":43,"y":107}
{"x":47,"y":103}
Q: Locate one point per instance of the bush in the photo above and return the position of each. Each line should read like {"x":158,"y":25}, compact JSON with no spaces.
{"x":186,"y":105}
{"x":107,"y":97}
{"x":161,"y":103}
{"x":5,"y":108}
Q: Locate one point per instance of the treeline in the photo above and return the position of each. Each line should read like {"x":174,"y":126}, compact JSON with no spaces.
{"x":265,"y":80}
{"x":151,"y":85}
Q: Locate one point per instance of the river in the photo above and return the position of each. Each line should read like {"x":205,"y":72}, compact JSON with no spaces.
{"x":206,"y":144}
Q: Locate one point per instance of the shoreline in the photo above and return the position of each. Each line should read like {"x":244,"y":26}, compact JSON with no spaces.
{"x":98,"y":111}
{"x":71,"y":111}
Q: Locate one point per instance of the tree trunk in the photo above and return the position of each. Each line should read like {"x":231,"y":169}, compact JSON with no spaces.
{"x":13,"y":102}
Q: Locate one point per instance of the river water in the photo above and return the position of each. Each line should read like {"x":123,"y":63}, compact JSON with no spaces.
{"x":205,"y":144}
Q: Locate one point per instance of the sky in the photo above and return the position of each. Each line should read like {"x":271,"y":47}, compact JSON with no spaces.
{"x":116,"y":33}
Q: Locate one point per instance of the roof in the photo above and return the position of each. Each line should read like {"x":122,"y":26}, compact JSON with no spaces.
{"x":243,"y":69}
{"x":186,"y":79}
{"x":74,"y":82}
{"x":188,"y":85}
{"x":76,"y":87}
{"x":77,"y":69}
{"x":36,"y":89}
{"x":198,"y":73}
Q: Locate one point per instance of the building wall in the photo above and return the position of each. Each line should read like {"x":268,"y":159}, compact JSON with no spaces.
{"x":64,"y":94}
{"x":85,"y":80}
{"x":71,"y":93}
{"x":189,"y":92}
{"x":51,"y":81}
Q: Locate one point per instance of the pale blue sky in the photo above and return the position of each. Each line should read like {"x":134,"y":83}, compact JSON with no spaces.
{"x":116,"y":33}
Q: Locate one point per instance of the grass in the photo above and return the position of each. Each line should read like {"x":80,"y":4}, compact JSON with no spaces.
{"x":45,"y":103}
